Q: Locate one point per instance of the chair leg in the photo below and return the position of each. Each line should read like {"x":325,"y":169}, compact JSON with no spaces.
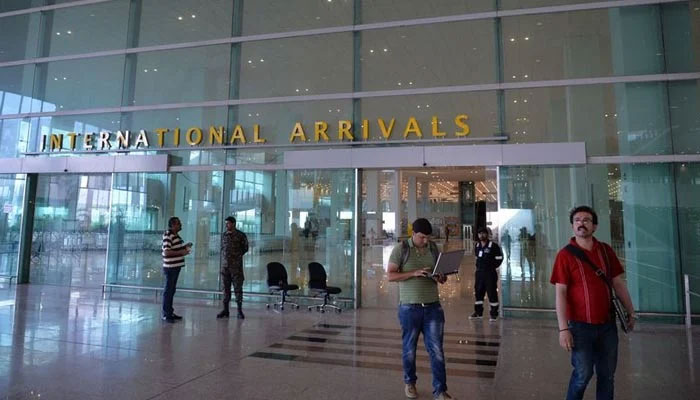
{"x":326,"y":304}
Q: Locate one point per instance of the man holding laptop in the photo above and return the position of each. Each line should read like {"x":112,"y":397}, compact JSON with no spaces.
{"x":412,"y":264}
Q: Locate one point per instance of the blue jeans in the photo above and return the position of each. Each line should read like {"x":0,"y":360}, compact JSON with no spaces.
{"x":430,"y":320}
{"x":595,"y":345}
{"x":171,"y":275}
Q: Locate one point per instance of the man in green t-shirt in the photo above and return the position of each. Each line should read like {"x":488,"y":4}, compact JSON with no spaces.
{"x":411,"y":264}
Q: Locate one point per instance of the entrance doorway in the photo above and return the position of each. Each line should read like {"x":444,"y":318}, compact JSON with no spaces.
{"x":456,"y":200}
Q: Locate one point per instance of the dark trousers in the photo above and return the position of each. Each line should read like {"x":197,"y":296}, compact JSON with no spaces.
{"x":235,"y":276}
{"x":595,"y":348}
{"x":486,"y":281}
{"x":171,"y":275}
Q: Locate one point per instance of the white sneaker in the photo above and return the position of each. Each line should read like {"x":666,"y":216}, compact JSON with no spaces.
{"x":411,"y":391}
{"x":475,"y":316}
{"x":444,"y":396}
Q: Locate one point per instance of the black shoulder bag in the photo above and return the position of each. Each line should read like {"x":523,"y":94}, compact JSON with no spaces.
{"x":617,"y":306}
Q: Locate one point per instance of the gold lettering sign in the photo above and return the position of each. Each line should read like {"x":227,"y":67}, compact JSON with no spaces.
{"x":217,"y":135}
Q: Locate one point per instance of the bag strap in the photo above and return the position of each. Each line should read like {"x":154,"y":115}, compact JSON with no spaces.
{"x":578,"y":253}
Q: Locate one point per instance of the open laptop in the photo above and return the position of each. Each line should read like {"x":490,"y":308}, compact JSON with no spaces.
{"x":448,"y":262}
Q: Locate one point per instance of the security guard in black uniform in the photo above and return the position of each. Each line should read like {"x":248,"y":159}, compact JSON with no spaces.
{"x":488,"y":258}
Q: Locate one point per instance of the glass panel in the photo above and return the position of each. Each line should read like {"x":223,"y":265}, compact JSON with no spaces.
{"x":391,"y":10}
{"x":283,"y":15}
{"x":617,"y":119}
{"x":684,"y":103}
{"x":141,"y":207}
{"x":636,"y":205}
{"x":534,"y":210}
{"x":514,"y":4}
{"x":681,"y":36}
{"x":98,"y":80}
{"x":14,"y":137}
{"x":69,"y":243}
{"x":139,"y":215}
{"x":381,"y":207}
{"x":43,"y":127}
{"x":277,"y":121}
{"x":86,"y":29}
{"x":186,"y":75}
{"x":480,"y":108}
{"x":12,"y":201}
{"x":688,"y":187}
{"x":177,"y":21}
{"x":427,"y":55}
{"x":202,"y":118}
{"x":20,"y":36}
{"x":294,"y":217}
{"x":16,"y":89}
{"x":13,"y":5}
{"x":622,"y":41}
{"x":297,"y":66}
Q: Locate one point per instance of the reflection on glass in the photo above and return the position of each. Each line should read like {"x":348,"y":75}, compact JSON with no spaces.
{"x":69,"y":242}
{"x":617,"y":119}
{"x":643,"y":229}
{"x":283,"y":15}
{"x":688,"y":192}
{"x":436,"y":116}
{"x":294,"y":217}
{"x":511,"y":4}
{"x":63,"y":125}
{"x":276,"y":121}
{"x":428,"y":55}
{"x":86,"y":29}
{"x":184,"y":75}
{"x":622,"y":41}
{"x":16,"y":89}
{"x":684,"y":103}
{"x":97,"y":80}
{"x":183,"y":119}
{"x":297,"y":66}
{"x":534,"y":207}
{"x":387,"y":10}
{"x":138,"y":219}
{"x":273,"y":208}
{"x":14,"y":137}
{"x":177,"y":21}
{"x":681,"y":36}
{"x":12,"y":200}
{"x":19,"y":37}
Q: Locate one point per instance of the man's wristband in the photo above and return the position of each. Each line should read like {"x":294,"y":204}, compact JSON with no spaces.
{"x":562,"y":330}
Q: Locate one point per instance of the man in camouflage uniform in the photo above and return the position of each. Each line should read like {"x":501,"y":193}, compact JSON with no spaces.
{"x":234,"y":244}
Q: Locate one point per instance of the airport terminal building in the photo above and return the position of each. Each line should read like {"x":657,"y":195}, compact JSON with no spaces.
{"x":326,"y":126}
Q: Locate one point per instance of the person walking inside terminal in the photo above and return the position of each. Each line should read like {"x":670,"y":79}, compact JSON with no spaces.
{"x":234,"y":244}
{"x":411,"y":264}
{"x":174,"y":252}
{"x":488,"y":258}
{"x":584,"y":305}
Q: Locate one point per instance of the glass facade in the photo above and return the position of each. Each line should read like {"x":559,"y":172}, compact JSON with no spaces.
{"x":255,"y":80}
{"x":271,"y":207}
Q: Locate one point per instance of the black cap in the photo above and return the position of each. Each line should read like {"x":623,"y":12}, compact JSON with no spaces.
{"x":422,"y":225}
{"x":483,"y":229}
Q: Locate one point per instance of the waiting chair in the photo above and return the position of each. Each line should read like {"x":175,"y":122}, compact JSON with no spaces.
{"x":277,"y":283}
{"x":317,"y":285}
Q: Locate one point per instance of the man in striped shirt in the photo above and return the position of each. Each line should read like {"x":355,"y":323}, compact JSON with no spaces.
{"x":174,"y":252}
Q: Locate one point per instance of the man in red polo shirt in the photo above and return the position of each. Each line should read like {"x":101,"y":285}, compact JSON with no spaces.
{"x":586,"y":321}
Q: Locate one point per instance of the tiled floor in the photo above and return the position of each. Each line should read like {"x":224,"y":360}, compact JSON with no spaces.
{"x":58,"y":343}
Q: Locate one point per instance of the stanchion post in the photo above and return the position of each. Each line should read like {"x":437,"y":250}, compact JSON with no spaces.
{"x":688,"y":320}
